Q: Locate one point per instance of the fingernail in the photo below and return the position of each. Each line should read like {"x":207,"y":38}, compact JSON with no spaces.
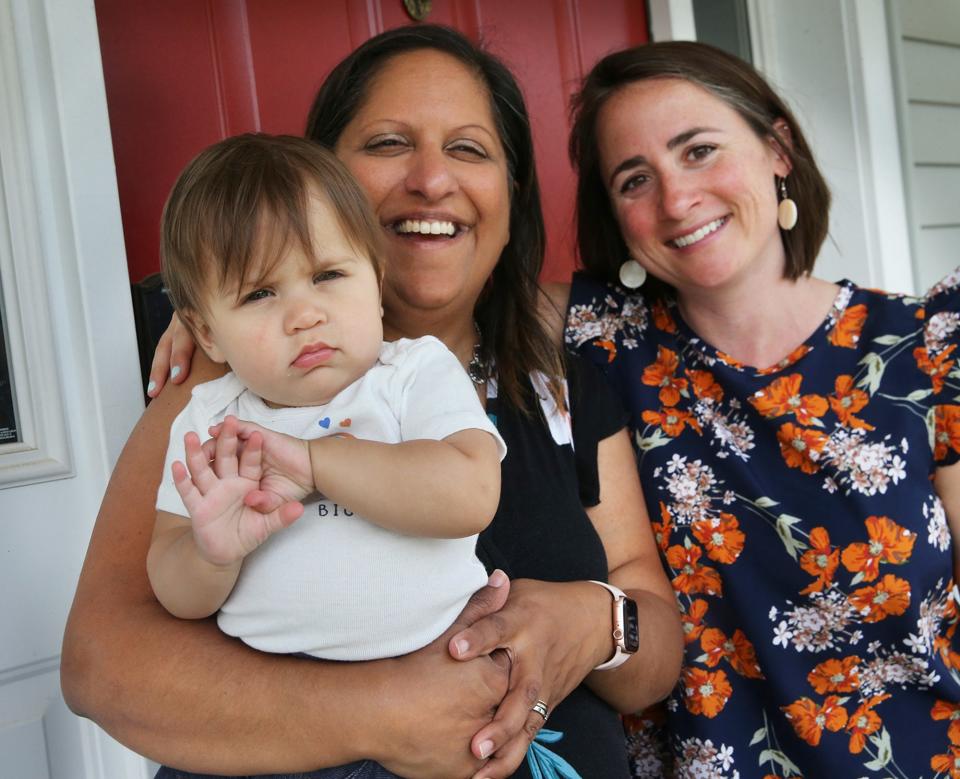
{"x":497,"y":579}
{"x":174,"y":371}
{"x":151,"y":387}
{"x":486,"y":749}
{"x":463,"y":646}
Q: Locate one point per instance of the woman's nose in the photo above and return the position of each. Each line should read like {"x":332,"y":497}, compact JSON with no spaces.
{"x":430,"y":175}
{"x":678,"y":194}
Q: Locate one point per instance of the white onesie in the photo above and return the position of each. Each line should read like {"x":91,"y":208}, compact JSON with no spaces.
{"x":333,"y":584}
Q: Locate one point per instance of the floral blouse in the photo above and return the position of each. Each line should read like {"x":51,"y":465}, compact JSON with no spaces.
{"x":796,"y":517}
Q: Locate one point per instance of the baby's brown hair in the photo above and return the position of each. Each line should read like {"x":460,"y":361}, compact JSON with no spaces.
{"x":237,"y":205}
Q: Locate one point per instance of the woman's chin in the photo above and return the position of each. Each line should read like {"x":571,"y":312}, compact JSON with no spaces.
{"x":424,"y":295}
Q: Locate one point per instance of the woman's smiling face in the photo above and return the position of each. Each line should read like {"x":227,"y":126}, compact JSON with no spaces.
{"x":691,"y":185}
{"x":425,"y":148}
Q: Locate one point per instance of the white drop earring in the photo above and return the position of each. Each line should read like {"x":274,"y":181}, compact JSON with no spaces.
{"x":632,"y":274}
{"x":787,"y":210}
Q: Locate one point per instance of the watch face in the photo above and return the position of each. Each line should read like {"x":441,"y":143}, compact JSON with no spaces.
{"x":631,"y":625}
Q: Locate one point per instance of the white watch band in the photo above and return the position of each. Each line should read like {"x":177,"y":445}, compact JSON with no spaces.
{"x":619,"y":656}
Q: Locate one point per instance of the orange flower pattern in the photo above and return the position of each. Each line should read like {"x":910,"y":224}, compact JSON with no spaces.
{"x":705,"y":692}
{"x":662,"y":374}
{"x":937,"y":367}
{"x":820,"y":560}
{"x":846,"y":332}
{"x":835,"y":675}
{"x":737,"y":650}
{"x":889,"y":543}
{"x":847,"y":400}
{"x":691,"y":577}
{"x":947,"y":764}
{"x":945,"y":710}
{"x":801,"y":447}
{"x":782,"y":396}
{"x":809,"y":720}
{"x":808,"y":552}
{"x":946,"y":431}
{"x":721,"y":537}
{"x":864,"y":722}
{"x":671,"y":420}
{"x":692,"y":620}
{"x":663,"y":528}
{"x":890,"y":596}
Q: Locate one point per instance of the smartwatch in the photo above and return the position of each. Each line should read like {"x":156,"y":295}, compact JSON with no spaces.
{"x":626,"y":628}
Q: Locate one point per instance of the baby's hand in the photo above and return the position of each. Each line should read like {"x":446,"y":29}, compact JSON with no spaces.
{"x":286,"y":475}
{"x":227,"y":523}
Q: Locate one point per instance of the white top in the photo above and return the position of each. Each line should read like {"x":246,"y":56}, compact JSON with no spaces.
{"x":333,"y":584}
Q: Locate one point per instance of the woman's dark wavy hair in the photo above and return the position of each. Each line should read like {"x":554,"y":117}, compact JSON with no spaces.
{"x":736,"y":83}
{"x":506,"y":312}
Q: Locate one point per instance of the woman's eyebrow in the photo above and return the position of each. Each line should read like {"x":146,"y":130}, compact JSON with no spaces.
{"x":630,"y":162}
{"x":677,"y":140}
{"x":686,"y":135}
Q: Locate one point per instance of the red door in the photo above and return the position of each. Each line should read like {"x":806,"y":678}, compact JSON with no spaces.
{"x":182,"y":74}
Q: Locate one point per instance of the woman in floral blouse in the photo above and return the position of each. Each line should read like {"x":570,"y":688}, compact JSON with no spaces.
{"x":796,"y":438}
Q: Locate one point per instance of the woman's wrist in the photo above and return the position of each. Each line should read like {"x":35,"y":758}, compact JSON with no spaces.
{"x":370,"y":724}
{"x":597,"y":635}
{"x":625,"y":632}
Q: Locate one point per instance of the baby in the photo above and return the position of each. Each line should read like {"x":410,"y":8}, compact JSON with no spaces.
{"x":273,"y":260}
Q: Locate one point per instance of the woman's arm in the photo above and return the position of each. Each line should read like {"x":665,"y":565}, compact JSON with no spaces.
{"x":183,"y":693}
{"x":556,"y":634}
{"x":623,"y":524}
{"x":946,"y":483}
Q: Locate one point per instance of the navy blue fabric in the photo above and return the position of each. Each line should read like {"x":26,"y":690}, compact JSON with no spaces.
{"x":795,"y":512}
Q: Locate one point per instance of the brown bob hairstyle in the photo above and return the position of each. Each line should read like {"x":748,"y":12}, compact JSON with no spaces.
{"x":737,"y":84}
{"x":237,"y":206}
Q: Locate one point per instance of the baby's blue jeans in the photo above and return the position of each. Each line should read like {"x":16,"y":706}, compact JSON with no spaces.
{"x":365,"y":769}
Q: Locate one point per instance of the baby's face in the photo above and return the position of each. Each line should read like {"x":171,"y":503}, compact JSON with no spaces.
{"x":306,"y":330}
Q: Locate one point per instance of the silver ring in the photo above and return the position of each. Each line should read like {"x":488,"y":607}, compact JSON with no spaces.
{"x":541,"y":708}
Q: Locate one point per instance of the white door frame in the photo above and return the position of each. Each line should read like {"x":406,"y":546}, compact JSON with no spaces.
{"x":66,"y":166}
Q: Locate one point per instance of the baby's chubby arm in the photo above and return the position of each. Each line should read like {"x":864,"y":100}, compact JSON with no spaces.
{"x":440,"y":489}
{"x":193,"y":563}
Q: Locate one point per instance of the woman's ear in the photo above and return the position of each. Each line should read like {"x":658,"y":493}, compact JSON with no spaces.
{"x":202,"y":335}
{"x":780,"y":141}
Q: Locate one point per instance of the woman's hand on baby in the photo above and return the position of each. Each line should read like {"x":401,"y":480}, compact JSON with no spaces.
{"x":286,"y":471}
{"x":436,"y":704}
{"x":537,"y":629}
{"x":171,"y":358}
{"x":216,"y":487}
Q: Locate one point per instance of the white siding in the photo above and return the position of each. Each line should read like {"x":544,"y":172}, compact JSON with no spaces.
{"x":927,"y":46}
{"x":831,"y":60}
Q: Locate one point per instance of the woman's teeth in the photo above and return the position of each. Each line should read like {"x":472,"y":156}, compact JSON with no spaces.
{"x":425,"y":227}
{"x":698,"y":235}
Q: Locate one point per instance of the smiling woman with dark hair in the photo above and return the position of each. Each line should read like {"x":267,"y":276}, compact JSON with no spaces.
{"x":436,"y":133}
{"x":797,"y":438}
